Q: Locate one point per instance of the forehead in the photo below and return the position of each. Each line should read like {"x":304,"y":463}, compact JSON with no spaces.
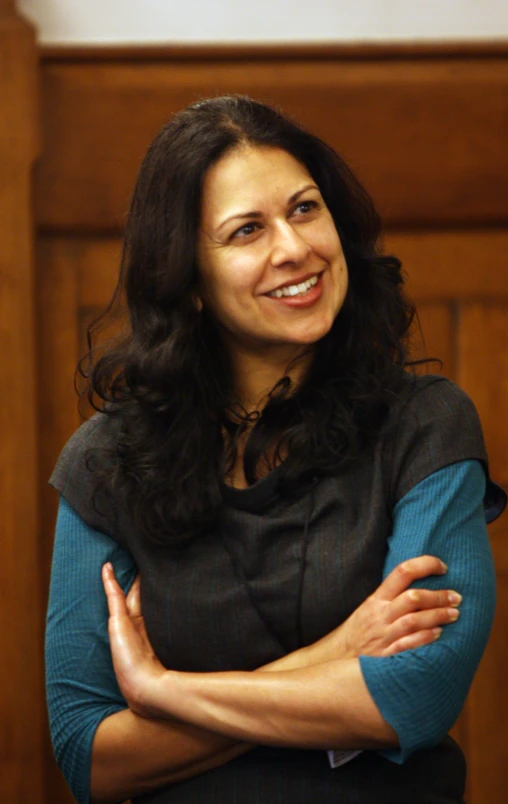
{"x":249,"y":178}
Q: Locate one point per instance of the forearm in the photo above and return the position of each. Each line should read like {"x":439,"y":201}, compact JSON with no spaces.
{"x":422,"y":692}
{"x":322,"y":706}
{"x":132,"y":755}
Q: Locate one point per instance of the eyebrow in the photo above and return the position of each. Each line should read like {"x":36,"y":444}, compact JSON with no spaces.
{"x":257,"y":214}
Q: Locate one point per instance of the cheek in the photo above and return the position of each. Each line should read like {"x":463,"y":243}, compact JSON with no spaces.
{"x":228,"y":290}
{"x":240,"y":278}
{"x":334,"y":246}
{"x":326,"y":241}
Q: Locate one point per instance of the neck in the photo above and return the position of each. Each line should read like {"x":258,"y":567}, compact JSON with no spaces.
{"x":256,"y":373}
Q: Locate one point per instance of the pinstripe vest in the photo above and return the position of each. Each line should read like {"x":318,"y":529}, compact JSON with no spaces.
{"x":278,"y":574}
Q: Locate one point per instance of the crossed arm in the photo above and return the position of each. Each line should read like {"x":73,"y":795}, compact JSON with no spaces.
{"x":260,"y":707}
{"x":132,"y":753}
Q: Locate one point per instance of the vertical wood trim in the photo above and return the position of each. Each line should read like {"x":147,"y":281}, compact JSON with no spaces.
{"x":482,"y":349}
{"x":21,"y":693}
{"x":57,"y":317}
{"x":58,"y":352}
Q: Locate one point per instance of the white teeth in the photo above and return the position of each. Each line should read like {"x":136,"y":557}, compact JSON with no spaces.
{"x":294,"y":290}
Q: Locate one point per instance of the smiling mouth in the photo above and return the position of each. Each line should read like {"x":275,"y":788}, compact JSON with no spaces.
{"x":295,"y":290}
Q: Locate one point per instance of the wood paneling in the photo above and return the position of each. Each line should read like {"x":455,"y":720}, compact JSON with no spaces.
{"x":449,"y":265}
{"x":426,"y":128}
{"x":483,"y":353}
{"x":436,"y":337}
{"x":453,"y":264}
{"x":427,"y":135}
{"x":58,"y":306}
{"x":487,"y":714}
{"x":57,"y":290}
{"x":252,"y":52}
{"x":483,"y":373}
{"x":21,"y":697}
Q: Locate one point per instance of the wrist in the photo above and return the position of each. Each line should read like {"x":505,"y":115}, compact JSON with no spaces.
{"x":158,"y":697}
{"x":331,"y":647}
{"x":291,"y":661}
{"x":341,"y":644}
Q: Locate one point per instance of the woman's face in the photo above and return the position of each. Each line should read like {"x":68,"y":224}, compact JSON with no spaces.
{"x":272,"y":270}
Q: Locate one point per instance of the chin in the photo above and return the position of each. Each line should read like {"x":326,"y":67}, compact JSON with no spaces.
{"x":314,"y":334}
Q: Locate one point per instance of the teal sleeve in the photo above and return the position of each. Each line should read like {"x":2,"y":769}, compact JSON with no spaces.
{"x":420,"y":692}
{"x":81,"y":685}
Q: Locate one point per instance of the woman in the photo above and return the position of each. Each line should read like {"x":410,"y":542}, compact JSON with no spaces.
{"x":263,"y":460}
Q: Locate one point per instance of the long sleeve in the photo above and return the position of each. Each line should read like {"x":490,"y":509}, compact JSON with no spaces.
{"x":442,"y":514}
{"x":420,"y":693}
{"x":80,"y":680}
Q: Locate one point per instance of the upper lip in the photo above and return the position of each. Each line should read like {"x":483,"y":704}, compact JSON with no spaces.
{"x":295,"y":281}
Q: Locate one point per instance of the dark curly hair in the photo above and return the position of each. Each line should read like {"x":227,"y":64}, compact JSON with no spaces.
{"x":168,"y":381}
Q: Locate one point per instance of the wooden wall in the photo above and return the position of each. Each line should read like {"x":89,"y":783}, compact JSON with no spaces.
{"x":425,"y":128}
{"x":21,"y":697}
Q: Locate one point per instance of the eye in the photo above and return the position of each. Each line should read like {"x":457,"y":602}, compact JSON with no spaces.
{"x":304,"y":207}
{"x":246,"y":230}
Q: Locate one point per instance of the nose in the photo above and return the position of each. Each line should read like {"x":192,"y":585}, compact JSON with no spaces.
{"x":288,"y":246}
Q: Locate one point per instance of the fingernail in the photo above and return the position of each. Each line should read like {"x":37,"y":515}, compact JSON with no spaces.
{"x":109,"y":565}
{"x":444,"y":567}
{"x":454,"y":598}
{"x":437,"y":632}
{"x":453,"y":614}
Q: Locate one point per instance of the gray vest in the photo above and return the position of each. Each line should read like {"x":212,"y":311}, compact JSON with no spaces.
{"x":278,"y":574}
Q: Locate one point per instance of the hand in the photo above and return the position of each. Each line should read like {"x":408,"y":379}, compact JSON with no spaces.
{"x":395,"y":618}
{"x":137,"y":668}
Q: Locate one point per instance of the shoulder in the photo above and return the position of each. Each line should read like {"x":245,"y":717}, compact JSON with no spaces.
{"x":98,"y":431}
{"x":81,"y":464}
{"x":434,"y":404}
{"x":434,"y":424}
{"x":433,"y":398}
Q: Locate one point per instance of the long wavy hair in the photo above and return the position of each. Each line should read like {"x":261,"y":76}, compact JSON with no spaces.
{"x":168,"y":381}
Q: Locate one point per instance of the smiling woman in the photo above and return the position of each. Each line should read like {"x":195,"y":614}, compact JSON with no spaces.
{"x":275,"y":284}
{"x":278,"y":280}
{"x":263,"y":483}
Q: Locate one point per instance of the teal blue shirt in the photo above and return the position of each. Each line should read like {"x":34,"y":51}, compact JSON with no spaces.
{"x":419,"y":692}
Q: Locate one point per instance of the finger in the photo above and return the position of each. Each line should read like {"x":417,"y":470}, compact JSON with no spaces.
{"x":419,"y":599}
{"x":134,"y":598}
{"x":413,"y":641}
{"x":117,"y":605}
{"x":404,"y":574}
{"x":421,"y":621}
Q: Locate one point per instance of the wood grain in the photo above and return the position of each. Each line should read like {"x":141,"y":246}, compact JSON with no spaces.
{"x":453,"y":264}
{"x":323,"y":51}
{"x":21,"y":696}
{"x":482,"y":346}
{"x":427,"y":136}
{"x":483,"y":373}
{"x":488,"y":714}
{"x":435,"y":338}
{"x":425,"y":127}
{"x":57,"y":290}
{"x":482,"y":370}
{"x":440,"y":265}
